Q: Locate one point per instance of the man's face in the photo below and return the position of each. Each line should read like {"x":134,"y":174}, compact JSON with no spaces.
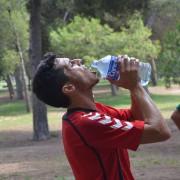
{"x":77,"y":73}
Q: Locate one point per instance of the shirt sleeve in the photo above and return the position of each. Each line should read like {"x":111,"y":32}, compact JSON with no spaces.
{"x":123,"y":114}
{"x":102,"y":131}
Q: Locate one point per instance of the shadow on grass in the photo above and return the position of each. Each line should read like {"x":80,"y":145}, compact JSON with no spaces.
{"x":12,"y":108}
{"x":18,"y":138}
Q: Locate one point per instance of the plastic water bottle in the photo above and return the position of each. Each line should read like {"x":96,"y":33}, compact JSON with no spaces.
{"x":109,"y":68}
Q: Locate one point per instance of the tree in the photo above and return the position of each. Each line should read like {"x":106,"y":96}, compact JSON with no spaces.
{"x":22,"y":63}
{"x":170,"y":57}
{"x":9,"y":62}
{"x":57,"y":13}
{"x":93,"y":40}
{"x":14,"y":34}
{"x":114,"y":13}
{"x":87,"y":41}
{"x":40,"y":124}
{"x":162,"y":16}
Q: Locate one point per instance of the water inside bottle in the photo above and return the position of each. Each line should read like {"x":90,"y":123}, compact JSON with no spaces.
{"x":144,"y":73}
{"x":100,"y":66}
{"x":107,"y":67}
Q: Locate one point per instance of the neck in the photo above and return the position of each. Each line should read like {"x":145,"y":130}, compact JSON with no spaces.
{"x":83,"y":101}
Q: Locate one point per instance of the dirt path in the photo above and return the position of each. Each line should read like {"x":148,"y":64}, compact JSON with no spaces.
{"x":175,"y":89}
{"x":23,"y":159}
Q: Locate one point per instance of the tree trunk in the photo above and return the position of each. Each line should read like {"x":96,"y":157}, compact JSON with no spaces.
{"x":19,"y":84}
{"x":10,"y":87}
{"x":40,"y":123}
{"x":113,"y":90}
{"x":154,"y":72}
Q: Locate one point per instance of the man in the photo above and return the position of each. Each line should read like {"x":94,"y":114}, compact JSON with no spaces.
{"x":95,"y":136}
{"x":176,"y":116}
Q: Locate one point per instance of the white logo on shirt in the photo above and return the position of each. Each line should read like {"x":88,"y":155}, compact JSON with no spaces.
{"x":104,"y":119}
{"x":117,"y":124}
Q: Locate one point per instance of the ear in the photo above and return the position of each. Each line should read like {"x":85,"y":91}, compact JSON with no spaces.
{"x":68,"y":88}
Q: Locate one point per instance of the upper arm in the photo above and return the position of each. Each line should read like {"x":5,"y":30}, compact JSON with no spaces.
{"x":102,"y":131}
{"x":123,"y":114}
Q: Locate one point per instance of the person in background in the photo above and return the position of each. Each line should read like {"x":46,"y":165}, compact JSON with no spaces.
{"x":176,"y":116}
{"x":97,"y":137}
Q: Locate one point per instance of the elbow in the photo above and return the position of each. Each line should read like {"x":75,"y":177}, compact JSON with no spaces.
{"x":162,"y":132}
{"x":166,"y":135}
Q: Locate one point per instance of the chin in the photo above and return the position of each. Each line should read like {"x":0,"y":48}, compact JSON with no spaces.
{"x":94,"y":83}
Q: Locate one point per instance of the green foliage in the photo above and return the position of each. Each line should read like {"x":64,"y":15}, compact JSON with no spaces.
{"x":170,"y":57}
{"x":57,"y":13}
{"x":114,"y":13}
{"x":134,"y":40}
{"x":10,"y":60}
{"x":81,"y":38}
{"x":165,"y":14}
{"x":88,"y":39}
{"x":12,"y":13}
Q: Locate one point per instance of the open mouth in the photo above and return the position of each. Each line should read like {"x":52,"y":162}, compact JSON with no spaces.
{"x":94,"y":72}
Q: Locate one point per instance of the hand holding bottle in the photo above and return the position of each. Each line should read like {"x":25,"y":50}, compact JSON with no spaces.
{"x":109,"y":68}
{"x":128,"y":70}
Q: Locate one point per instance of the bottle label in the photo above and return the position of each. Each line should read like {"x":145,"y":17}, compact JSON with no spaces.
{"x":113,"y":70}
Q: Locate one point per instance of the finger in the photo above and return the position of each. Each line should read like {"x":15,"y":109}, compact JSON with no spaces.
{"x":122,"y":65}
{"x":126,"y":63}
{"x":134,"y":63}
{"x":137,"y":63}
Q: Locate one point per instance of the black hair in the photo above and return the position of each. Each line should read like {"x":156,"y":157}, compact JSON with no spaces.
{"x":48,"y":82}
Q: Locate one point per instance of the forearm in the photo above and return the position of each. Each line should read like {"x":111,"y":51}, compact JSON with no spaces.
{"x":143,"y":108}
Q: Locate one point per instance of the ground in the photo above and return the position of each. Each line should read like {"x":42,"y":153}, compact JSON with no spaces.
{"x":24,"y":159}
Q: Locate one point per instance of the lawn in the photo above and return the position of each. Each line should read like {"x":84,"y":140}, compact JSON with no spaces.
{"x":166,"y":103}
{"x":14,"y":113}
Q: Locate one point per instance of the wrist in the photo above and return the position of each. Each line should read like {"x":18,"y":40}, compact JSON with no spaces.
{"x":136,"y":88}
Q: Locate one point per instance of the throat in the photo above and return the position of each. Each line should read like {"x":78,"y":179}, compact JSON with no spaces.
{"x":83,"y":100}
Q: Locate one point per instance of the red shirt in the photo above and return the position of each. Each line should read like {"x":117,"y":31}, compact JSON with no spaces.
{"x":96,"y":142}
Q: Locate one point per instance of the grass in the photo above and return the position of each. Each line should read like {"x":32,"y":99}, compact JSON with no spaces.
{"x":13,"y":114}
{"x":166,"y":103}
{"x":3,"y":85}
{"x":12,"y":108}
